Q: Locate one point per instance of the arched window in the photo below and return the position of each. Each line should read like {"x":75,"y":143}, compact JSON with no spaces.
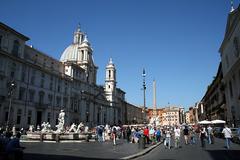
{"x":15,"y":47}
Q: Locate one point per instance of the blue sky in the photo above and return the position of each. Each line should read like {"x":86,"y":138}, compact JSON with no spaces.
{"x":176,"y":41}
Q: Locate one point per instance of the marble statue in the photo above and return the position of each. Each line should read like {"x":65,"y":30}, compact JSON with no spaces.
{"x":44,"y":127}
{"x":86,"y":129}
{"x":38,"y":128}
{"x":61,"y":121}
{"x":79,"y":127}
{"x":14,"y":130}
{"x":73,"y":128}
{"x":31,"y":127}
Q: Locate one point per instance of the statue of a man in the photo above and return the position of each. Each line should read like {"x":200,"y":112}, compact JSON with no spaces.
{"x":61,"y":121}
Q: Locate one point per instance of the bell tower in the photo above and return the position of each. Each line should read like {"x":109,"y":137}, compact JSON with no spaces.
{"x":110,"y":81}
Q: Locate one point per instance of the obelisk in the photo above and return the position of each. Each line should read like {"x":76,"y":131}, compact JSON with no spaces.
{"x":154,"y":100}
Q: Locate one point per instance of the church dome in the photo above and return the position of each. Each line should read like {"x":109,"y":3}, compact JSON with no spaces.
{"x":70,"y":53}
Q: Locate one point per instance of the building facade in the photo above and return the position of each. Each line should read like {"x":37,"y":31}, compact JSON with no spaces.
{"x":213,"y":104}
{"x":167,"y":116}
{"x":187,"y":117}
{"x":230,"y":52}
{"x":34,"y":87}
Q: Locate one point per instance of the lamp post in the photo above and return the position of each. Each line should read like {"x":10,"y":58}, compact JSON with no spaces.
{"x":144,"y":96}
{"x":11,"y":86}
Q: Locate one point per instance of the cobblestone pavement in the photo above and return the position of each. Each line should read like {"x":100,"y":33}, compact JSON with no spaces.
{"x":83,"y":150}
{"x":214,"y":151}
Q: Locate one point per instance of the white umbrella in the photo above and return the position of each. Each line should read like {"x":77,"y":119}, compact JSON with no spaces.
{"x":205,"y":122}
{"x":217,"y":121}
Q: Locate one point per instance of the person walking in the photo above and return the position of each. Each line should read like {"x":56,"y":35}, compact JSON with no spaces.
{"x":146,"y":135}
{"x":193,"y":136}
{"x":158,"y":135}
{"x":168,"y":139}
{"x":202,"y":137}
{"x":186,"y":134}
{"x":228,"y":135}
{"x":128,"y":132}
{"x":210,"y":134}
{"x":114,"y":135}
{"x":177,"y":133}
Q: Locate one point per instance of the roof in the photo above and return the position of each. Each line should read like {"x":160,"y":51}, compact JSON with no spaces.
{"x":7,"y":28}
{"x":231,"y":24}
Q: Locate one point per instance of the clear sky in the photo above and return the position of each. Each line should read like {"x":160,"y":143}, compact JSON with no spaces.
{"x":176,"y":41}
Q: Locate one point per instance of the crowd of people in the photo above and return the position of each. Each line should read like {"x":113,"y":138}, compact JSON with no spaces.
{"x":170,"y":135}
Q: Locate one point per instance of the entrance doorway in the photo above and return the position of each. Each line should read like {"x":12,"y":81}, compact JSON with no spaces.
{"x":39,"y":118}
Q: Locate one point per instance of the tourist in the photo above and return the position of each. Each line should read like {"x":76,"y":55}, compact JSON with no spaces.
{"x":99,"y":133}
{"x":210,"y":134}
{"x":114,"y":135}
{"x":202,"y":137}
{"x":193,"y":136}
{"x":177,"y":136}
{"x":158,"y":135}
{"x":228,"y":135}
{"x":146,"y":135}
{"x":168,"y":139}
{"x":128,"y":131}
{"x":186,"y":134}
{"x":14,"y":149}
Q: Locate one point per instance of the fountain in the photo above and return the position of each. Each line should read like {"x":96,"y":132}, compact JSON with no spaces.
{"x":75,"y":132}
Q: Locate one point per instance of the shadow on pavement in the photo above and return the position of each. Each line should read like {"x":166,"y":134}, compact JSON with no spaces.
{"x":224,"y":154}
{"x":31,"y":156}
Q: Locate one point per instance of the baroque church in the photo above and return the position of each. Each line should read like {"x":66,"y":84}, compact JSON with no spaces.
{"x":34,"y":86}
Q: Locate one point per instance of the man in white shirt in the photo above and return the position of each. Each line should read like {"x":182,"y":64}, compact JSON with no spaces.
{"x":228,"y":135}
{"x":177,"y":136}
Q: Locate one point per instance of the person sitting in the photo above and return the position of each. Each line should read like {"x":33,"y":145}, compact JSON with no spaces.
{"x":13,"y":148}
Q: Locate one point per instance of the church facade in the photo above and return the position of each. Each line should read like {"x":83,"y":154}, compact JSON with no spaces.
{"x":34,"y":87}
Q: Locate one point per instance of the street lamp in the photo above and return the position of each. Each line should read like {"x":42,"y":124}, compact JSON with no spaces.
{"x":11,"y":86}
{"x":144,"y":95}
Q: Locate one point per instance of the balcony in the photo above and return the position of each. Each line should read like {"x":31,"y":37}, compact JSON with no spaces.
{"x":41,"y":106}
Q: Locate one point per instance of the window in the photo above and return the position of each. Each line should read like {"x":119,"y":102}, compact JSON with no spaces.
{"x":15,"y":49}
{"x":49,"y":117}
{"x":50,"y":85}
{"x":65,"y":101}
{"x":0,"y":42}
{"x":65,"y":91}
{"x":31,"y":95}
{"x":41,"y":97}
{"x":23,"y":73}
{"x":43,"y":75}
{"x":109,"y":74}
{"x":33,"y":77}
{"x":82,"y":55}
{"x":59,"y":88}
{"x":58,"y":101}
{"x":13,"y":69}
{"x":50,"y":97}
{"x":29,"y":117}
{"x":6,"y":116}
{"x":21,"y":93}
{"x":42,"y":83}
{"x":19,"y":113}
